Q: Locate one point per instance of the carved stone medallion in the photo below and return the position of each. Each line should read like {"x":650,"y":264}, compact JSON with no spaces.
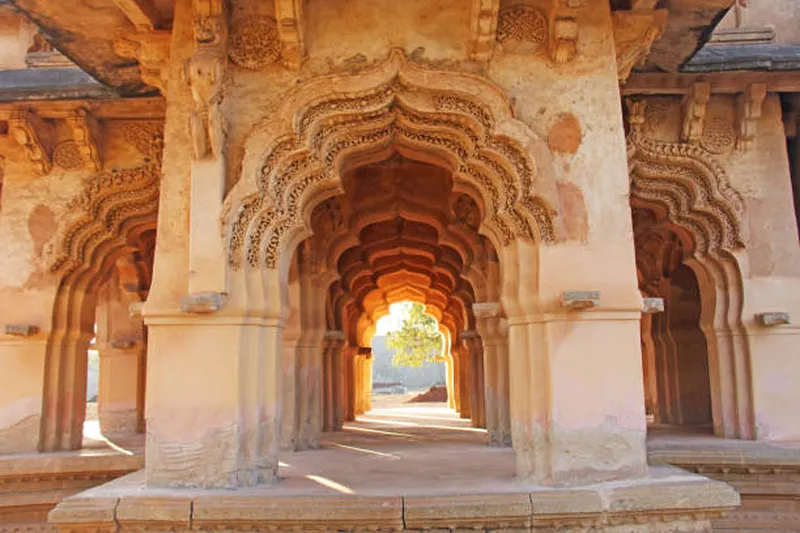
{"x":522,"y":25}
{"x":718,"y":136}
{"x":255,"y":42}
{"x":67,"y":155}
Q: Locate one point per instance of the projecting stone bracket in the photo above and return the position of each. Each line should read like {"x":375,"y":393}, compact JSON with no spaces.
{"x":651,"y":306}
{"x":580,"y":300}
{"x":203,"y":302}
{"x":36,"y":136}
{"x":87,"y":133}
{"x":21,"y":330}
{"x":773,"y":319}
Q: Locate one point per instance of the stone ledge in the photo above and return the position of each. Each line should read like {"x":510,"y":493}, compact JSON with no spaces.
{"x":669,"y":500}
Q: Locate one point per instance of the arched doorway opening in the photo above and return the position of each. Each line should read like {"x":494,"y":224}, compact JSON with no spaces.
{"x":688,"y":233}
{"x":675,"y":353}
{"x":399,"y":231}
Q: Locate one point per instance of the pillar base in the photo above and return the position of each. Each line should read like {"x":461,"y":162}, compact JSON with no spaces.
{"x":668,"y":500}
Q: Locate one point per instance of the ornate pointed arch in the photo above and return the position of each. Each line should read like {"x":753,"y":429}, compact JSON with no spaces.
{"x":455,"y":120}
{"x":114,"y":214}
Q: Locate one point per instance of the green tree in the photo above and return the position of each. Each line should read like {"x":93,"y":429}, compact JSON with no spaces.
{"x":418,"y":341}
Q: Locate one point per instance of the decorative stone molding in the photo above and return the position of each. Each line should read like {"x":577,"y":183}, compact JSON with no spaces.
{"x":254,"y":42}
{"x":291,"y":28}
{"x":87,"y":133}
{"x":151,"y":50}
{"x":773,"y":319}
{"x":483,"y":28}
{"x":694,"y":112}
{"x":670,"y":175}
{"x":634,"y":34}
{"x":36,"y":136}
{"x":748,"y":112}
{"x":394,"y":106}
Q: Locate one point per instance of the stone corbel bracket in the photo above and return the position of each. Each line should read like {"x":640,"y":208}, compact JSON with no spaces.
{"x":21,"y":330}
{"x":748,"y":112}
{"x":694,"y":108}
{"x":291,"y":28}
{"x":36,"y":136}
{"x":634,"y":33}
{"x":563,"y":24}
{"x":203,"y":302}
{"x":580,"y":300}
{"x":87,"y":132}
{"x":151,"y":50}
{"x":773,"y":319}
{"x":483,"y":28}
{"x":651,"y":306}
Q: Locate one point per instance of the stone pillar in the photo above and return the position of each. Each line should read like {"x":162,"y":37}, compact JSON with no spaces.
{"x":577,"y":414}
{"x":333,"y":343}
{"x":349,"y":357}
{"x":120,"y":343}
{"x":309,"y":360}
{"x":493,"y":331}
{"x":214,"y":387}
{"x":339,"y":381}
{"x":465,"y":379}
{"x":474,"y":350}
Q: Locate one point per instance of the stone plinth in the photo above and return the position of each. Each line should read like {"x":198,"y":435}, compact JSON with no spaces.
{"x":32,"y":485}
{"x":667,"y":500}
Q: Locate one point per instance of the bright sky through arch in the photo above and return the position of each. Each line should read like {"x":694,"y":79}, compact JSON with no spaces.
{"x":398,"y":312}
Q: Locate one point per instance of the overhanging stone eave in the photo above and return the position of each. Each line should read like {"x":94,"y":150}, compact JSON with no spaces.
{"x":60,"y":83}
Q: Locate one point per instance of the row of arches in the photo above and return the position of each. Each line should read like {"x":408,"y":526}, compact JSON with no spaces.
{"x":405,"y":183}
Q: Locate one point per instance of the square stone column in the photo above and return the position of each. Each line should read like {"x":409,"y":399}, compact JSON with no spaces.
{"x":577,"y":399}
{"x":493,"y":330}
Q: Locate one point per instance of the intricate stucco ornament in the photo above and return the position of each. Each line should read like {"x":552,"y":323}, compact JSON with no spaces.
{"x":67,"y":155}
{"x":335,"y":121}
{"x":634,"y":34}
{"x":686,"y":182}
{"x":101,"y":214}
{"x":291,"y":28}
{"x":36,"y":136}
{"x":254,"y":42}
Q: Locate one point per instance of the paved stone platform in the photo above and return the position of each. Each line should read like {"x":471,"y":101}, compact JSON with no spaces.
{"x":414,"y":467}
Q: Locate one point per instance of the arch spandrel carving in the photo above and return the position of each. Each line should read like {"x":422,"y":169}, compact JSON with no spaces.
{"x":455,"y":120}
{"x":109,"y":204}
{"x":688,"y":183}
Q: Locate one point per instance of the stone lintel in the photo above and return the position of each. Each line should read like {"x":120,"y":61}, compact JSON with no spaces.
{"x":485,"y":511}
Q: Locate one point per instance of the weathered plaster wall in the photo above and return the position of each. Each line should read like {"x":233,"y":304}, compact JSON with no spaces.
{"x":16,"y":36}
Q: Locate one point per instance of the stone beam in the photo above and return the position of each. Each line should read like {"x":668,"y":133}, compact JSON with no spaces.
{"x":291,"y":28}
{"x":483,"y":28}
{"x":36,"y":136}
{"x":657,"y":83}
{"x":142,"y":13}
